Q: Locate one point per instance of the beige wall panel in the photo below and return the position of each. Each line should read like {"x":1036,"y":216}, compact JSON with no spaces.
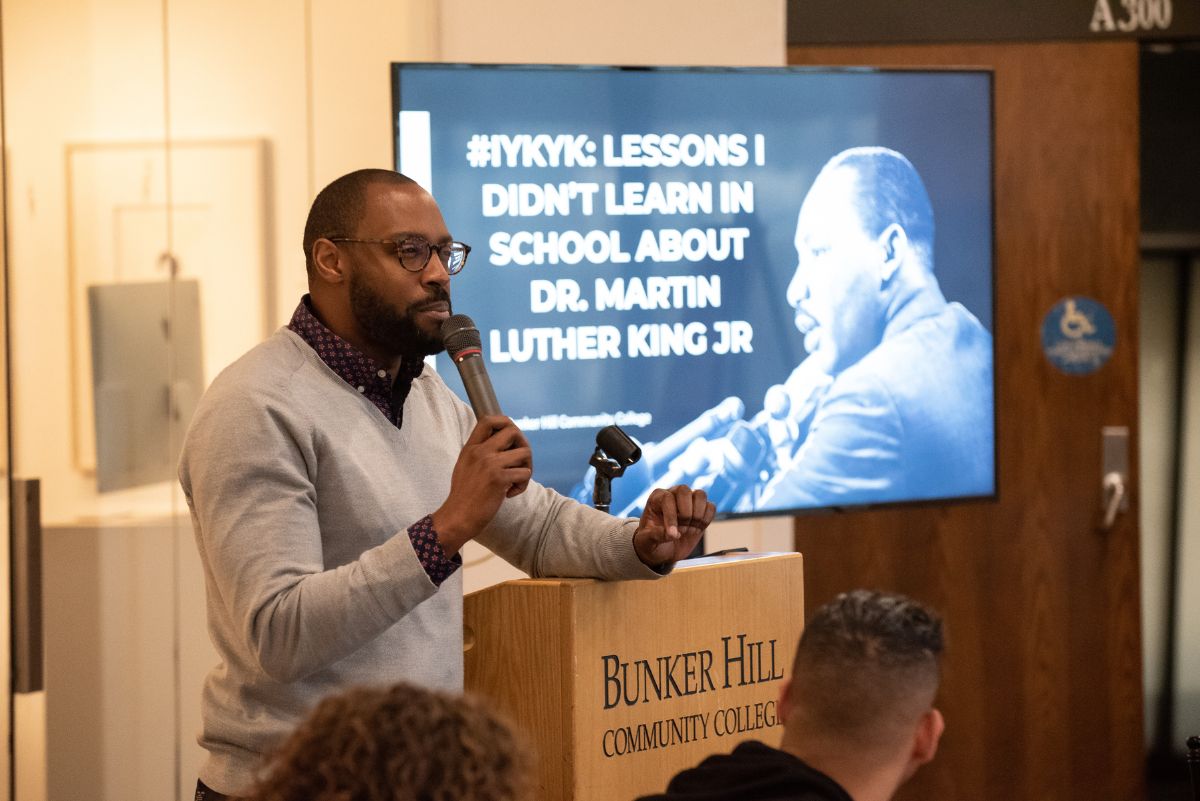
{"x":635,"y":32}
{"x":101,"y":63}
{"x":353,"y":44}
{"x":240,"y":70}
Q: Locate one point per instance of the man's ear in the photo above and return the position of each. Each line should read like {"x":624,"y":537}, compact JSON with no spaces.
{"x":894,"y":243}
{"x":929,"y":732}
{"x":328,"y":264}
{"x":924,"y":743}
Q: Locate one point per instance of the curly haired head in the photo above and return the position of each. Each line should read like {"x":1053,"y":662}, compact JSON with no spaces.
{"x":399,"y":743}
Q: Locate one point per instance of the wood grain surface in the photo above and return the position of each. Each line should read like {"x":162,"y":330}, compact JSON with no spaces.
{"x":1042,"y":687}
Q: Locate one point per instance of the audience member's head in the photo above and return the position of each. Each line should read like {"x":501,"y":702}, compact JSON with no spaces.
{"x":401,"y":743}
{"x":859,"y":704}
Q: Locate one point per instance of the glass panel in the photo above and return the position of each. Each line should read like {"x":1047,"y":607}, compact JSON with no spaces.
{"x":5,"y":538}
{"x":88,"y":196}
{"x":255,"y":131}
{"x":238,"y":157}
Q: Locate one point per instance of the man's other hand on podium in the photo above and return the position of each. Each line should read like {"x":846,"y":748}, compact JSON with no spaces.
{"x":672,"y":523}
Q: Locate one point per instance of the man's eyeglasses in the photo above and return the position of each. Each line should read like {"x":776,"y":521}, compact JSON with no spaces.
{"x":414,"y":253}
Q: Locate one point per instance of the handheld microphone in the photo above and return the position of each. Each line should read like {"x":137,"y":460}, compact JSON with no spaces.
{"x":465,"y":346}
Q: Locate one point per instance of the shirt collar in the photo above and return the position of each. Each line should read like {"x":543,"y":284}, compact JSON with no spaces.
{"x":353,"y":366}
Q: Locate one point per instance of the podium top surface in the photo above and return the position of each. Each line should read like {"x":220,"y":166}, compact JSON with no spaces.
{"x":730,"y":557}
{"x":715,"y":561}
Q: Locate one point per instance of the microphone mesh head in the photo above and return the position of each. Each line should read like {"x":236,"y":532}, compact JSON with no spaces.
{"x":459,"y":333}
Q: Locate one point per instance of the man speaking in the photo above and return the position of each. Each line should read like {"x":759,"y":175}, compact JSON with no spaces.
{"x":333,"y":479}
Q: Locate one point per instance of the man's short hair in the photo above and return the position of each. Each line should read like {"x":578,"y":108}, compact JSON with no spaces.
{"x":338,"y":207}
{"x":867,"y":667}
{"x":889,"y":190}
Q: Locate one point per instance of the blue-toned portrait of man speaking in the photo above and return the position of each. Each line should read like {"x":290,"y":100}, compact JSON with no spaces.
{"x":909,"y":411}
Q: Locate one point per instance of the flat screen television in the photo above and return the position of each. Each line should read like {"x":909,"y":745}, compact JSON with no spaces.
{"x":777,"y":282}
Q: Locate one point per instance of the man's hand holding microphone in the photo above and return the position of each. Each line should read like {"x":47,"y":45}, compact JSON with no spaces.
{"x":497,"y":463}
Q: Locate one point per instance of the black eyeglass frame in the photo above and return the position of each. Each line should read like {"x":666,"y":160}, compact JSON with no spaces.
{"x":445,"y":251}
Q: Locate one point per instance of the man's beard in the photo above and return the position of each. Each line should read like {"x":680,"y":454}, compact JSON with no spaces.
{"x":396,"y":332}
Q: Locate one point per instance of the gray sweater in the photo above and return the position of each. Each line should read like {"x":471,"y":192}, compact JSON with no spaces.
{"x":301,"y":492}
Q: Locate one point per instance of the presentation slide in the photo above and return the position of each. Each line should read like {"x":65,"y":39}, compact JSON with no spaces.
{"x":779,"y":282}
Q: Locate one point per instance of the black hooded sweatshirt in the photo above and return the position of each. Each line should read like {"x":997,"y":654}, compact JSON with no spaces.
{"x":753,"y":772}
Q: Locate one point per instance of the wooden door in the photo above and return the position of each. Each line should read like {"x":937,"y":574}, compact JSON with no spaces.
{"x":1042,"y":689}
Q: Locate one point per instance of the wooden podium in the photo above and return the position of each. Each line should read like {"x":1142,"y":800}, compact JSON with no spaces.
{"x":620,"y":685}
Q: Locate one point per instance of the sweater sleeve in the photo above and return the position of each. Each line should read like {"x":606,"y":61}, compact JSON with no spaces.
{"x":547,"y":534}
{"x":248,"y":474}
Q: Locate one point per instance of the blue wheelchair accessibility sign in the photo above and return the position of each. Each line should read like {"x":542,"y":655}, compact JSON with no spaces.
{"x":1078,"y":335}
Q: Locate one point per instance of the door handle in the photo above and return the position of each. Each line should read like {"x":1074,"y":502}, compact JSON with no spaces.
{"x":1114,"y":482}
{"x":1114,"y":495}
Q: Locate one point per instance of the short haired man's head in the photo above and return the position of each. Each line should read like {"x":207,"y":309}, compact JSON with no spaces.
{"x":865,"y":227}
{"x":866,"y":672}
{"x":359,"y":287}
{"x":338,"y":208}
{"x":402,"y":743}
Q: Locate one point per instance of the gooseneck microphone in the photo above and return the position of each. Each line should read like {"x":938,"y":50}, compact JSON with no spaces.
{"x":465,"y":346}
